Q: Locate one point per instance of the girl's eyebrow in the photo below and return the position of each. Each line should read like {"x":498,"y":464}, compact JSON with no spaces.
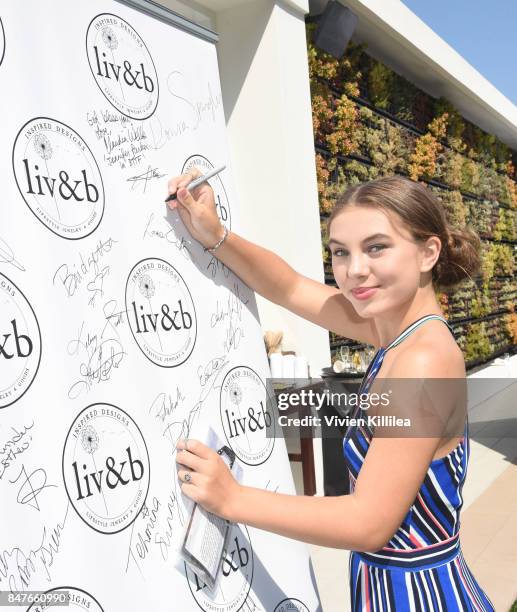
{"x":372,"y":237}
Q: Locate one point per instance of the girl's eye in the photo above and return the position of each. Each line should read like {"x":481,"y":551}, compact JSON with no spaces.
{"x":374,"y":248}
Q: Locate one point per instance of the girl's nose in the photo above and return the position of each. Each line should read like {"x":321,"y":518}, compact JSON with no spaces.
{"x":358,"y":265}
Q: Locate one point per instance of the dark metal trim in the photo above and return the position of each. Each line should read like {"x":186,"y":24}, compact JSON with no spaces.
{"x":153,"y":9}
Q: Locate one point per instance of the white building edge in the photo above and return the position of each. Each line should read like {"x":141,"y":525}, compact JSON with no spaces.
{"x":266,"y":94}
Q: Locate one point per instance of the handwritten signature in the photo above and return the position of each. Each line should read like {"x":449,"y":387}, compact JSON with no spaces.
{"x":31,"y":486}
{"x":214,"y":265}
{"x":15,"y":446}
{"x":18,"y":567}
{"x":198,"y":108}
{"x":71,"y":277}
{"x":124,"y":141}
{"x":101,"y":357}
{"x":7,"y":256}
{"x":234,"y":304}
{"x":155,"y":527}
{"x":232,"y":313}
{"x":160,"y":134}
{"x":164,"y":404}
{"x":144,"y":178}
{"x":165,"y":232}
{"x":208,"y":374}
{"x":113,"y":316}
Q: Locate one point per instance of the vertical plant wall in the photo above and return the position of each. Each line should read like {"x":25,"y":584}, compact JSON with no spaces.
{"x":370,"y":122}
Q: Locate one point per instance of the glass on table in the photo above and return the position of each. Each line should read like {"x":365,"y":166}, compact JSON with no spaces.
{"x":344,"y":356}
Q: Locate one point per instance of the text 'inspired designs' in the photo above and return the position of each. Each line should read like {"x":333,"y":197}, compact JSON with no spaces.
{"x":291,"y":605}
{"x":246,"y":415}
{"x":58,"y":177}
{"x":106,"y":468}
{"x":161,"y":312}
{"x":73,"y":599}
{"x":122,"y":66}
{"x":20,"y":343}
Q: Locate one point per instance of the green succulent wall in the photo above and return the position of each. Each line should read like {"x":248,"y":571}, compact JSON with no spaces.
{"x":370,"y":122}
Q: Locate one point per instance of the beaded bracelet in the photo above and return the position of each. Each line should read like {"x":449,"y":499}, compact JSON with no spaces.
{"x":225,"y":235}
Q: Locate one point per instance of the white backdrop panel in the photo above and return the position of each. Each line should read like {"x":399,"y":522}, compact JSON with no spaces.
{"x":118,"y":333}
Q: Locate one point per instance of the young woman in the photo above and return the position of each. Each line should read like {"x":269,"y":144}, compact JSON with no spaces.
{"x":391,"y":246}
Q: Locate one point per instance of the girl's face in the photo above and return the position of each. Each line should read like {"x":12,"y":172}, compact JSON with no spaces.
{"x":372,"y":248}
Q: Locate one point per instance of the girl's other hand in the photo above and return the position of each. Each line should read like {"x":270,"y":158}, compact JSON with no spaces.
{"x":211,"y":482}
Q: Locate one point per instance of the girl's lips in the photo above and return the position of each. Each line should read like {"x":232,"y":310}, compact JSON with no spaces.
{"x":363,"y":294}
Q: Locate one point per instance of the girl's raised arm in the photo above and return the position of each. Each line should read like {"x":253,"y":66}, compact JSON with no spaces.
{"x":264,"y":271}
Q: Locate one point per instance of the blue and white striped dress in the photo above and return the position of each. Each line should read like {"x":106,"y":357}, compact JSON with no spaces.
{"x":422,"y":568}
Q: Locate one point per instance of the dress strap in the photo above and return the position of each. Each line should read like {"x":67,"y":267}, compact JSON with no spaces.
{"x":411,"y":328}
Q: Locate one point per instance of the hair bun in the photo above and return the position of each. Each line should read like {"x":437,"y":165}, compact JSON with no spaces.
{"x":459,"y":257}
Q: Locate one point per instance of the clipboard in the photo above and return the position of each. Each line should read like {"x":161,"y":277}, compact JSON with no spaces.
{"x":204,"y":543}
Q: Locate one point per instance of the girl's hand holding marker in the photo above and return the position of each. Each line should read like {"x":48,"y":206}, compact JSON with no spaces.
{"x":193,"y":198}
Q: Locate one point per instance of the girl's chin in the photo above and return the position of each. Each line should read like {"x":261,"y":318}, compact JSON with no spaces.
{"x":368,"y":308}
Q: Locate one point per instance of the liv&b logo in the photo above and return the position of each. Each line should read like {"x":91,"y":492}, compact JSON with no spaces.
{"x":161,"y":312}
{"x":106,"y":468}
{"x":58,"y":178}
{"x":122,"y":66}
{"x":246,"y":415}
{"x":20,"y":343}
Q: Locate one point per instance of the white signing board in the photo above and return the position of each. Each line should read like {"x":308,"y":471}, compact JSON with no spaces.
{"x":119,"y":334}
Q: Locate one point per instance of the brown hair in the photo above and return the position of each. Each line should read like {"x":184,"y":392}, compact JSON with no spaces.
{"x":424,"y":216}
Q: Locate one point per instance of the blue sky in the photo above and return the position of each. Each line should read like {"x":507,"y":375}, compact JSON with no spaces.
{"x":484,"y":33}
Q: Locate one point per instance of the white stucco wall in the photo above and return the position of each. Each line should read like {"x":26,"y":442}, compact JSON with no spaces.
{"x":265,"y":84}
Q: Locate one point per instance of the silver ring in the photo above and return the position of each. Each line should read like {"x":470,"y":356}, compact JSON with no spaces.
{"x":187,"y":477}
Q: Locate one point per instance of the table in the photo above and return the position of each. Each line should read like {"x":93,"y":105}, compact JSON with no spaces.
{"x":334,"y":473}
{"x":306,"y":454}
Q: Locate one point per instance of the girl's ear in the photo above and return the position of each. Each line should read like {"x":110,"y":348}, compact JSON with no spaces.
{"x":430,"y":253}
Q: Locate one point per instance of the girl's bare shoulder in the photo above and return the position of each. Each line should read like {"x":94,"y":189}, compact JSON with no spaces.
{"x":430,"y":349}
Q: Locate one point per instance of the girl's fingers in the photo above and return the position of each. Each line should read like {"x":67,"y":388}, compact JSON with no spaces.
{"x":191,"y":491}
{"x":190,"y":460}
{"x":191,"y":477}
{"x":195,"y":447}
{"x":183,"y":180}
{"x":185,"y":198}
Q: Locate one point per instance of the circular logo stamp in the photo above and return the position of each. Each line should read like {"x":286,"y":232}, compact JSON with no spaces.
{"x":58,"y":178}
{"x":246,"y":415}
{"x":74,"y":599}
{"x":106,"y":468}
{"x":161,"y":312}
{"x":291,"y":605}
{"x":20,"y":343}
{"x":122,"y":66}
{"x":234,"y":578}
{"x":2,"y":42}
{"x":221,"y":199}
